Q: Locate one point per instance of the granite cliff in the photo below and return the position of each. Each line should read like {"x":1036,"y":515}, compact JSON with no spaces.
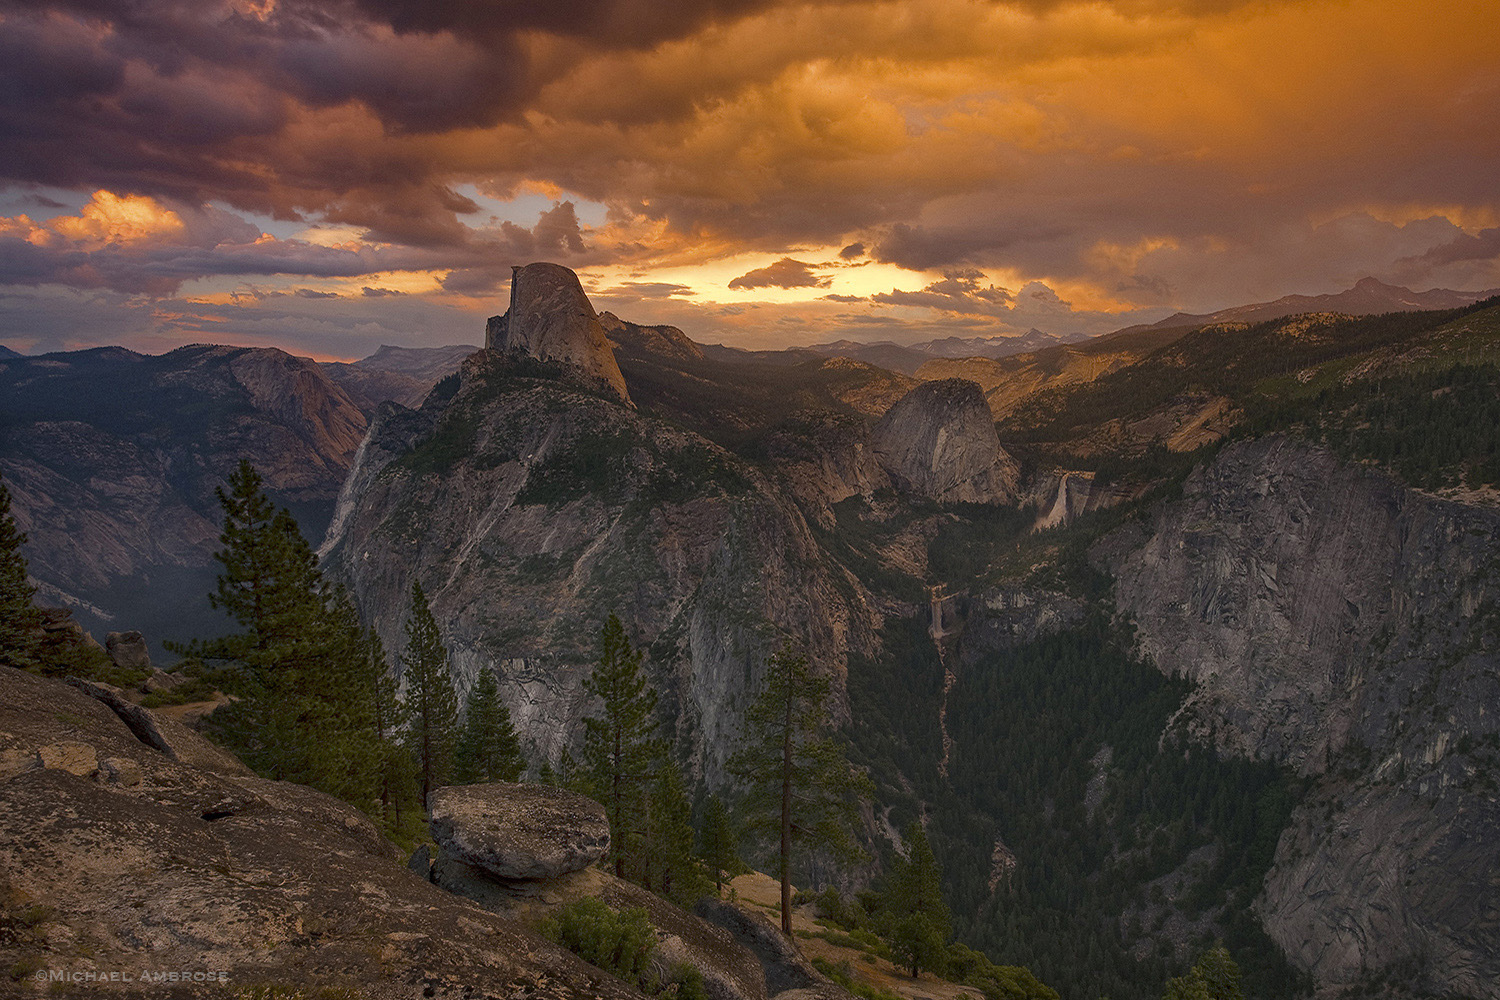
{"x":939,"y":442}
{"x":532,"y":503}
{"x":112,"y":459}
{"x":550,"y":318}
{"x":1340,"y":623}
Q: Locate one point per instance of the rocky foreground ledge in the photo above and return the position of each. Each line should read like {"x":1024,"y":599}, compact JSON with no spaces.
{"x":138,"y":860}
{"x":117,"y":859}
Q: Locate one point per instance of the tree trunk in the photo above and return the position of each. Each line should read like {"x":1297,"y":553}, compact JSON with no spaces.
{"x":786,"y":822}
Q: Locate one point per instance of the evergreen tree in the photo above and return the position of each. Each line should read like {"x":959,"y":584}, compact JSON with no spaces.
{"x":923,"y":921}
{"x":720,"y":844}
{"x":488,"y":748}
{"x":431,"y":710}
{"x":799,"y":784}
{"x":396,"y":778}
{"x":1215,"y":976}
{"x":20,"y":622}
{"x":296,"y":715}
{"x":671,"y":868}
{"x":620,"y":749}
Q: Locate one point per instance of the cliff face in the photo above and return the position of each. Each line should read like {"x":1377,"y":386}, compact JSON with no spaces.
{"x":939,"y":442}
{"x":550,"y":318}
{"x":1344,"y":625}
{"x":530,"y":506}
{"x":113,"y":458}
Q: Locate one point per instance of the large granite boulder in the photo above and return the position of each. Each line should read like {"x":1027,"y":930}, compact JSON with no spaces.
{"x":939,"y":441}
{"x":127,"y":650}
{"x":519,"y":832}
{"x":551,"y":318}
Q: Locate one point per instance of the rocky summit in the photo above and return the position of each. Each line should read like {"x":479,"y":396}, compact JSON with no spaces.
{"x":551,"y":318}
{"x":939,"y":442}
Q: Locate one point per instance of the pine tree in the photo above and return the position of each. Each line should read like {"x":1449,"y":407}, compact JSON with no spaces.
{"x":620,"y":749}
{"x":923,"y":921}
{"x":800,"y":785}
{"x":20,"y":622}
{"x":672,"y":869}
{"x":396,"y":777}
{"x":488,"y":748}
{"x":1215,"y":976}
{"x":720,"y":844}
{"x":431,"y":710}
{"x":294,"y":712}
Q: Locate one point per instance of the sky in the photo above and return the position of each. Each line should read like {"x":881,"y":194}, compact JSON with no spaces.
{"x":326,"y":176}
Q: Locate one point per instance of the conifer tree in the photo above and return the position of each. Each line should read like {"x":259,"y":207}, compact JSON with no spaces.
{"x":923,"y":921}
{"x":720,"y":843}
{"x":671,"y":868}
{"x":431,"y":709}
{"x":295,"y":711}
{"x":487,"y":748}
{"x":800,"y":785}
{"x":396,"y":776}
{"x":620,"y":749}
{"x":1215,"y":976}
{"x":20,"y":622}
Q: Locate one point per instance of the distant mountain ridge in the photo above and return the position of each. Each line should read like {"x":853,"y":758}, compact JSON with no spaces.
{"x":907,"y":358}
{"x":112,"y":459}
{"x":402,"y":374}
{"x":1368,"y":297}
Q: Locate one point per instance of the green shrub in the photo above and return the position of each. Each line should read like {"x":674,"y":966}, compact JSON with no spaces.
{"x":618,"y":941}
{"x":686,"y":983}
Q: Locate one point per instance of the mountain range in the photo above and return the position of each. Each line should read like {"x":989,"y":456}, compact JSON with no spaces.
{"x":1180,"y":634}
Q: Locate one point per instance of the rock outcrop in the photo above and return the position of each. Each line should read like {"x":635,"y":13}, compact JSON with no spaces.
{"x":115,"y":857}
{"x":128,"y":650}
{"x":550,"y":318}
{"x":497,"y":848}
{"x":519,"y":832}
{"x":939,"y":442}
{"x":1346,"y":626}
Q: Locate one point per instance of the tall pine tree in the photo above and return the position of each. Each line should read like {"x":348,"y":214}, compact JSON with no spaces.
{"x":620,"y":749}
{"x":800,"y":786}
{"x":488,"y":748}
{"x":721,"y":844}
{"x":923,"y":921}
{"x":20,"y":623}
{"x":431,"y":707}
{"x":672,"y":869}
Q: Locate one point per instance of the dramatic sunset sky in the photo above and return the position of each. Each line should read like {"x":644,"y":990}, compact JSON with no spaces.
{"x":330,"y":175}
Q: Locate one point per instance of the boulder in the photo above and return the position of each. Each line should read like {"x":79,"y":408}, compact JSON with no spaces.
{"x":159,"y":680}
{"x":939,"y":441}
{"x":127,"y":650}
{"x":519,"y":832}
{"x":551,"y":318}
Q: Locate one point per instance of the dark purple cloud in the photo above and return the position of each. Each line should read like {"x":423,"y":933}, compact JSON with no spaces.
{"x":1483,"y":246}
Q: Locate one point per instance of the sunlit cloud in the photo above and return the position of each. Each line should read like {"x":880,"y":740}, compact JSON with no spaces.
{"x":763,"y":169}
